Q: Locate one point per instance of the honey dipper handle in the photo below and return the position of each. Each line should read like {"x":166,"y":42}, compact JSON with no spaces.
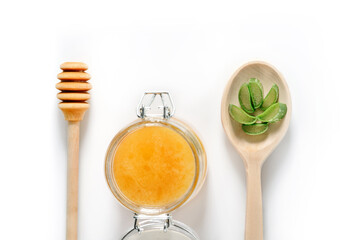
{"x":254,"y":216}
{"x":72,"y":180}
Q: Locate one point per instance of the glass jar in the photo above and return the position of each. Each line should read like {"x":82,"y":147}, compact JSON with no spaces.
{"x":155,"y":111}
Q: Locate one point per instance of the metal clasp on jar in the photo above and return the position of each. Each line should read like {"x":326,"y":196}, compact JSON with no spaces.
{"x":155,"y":105}
{"x":160,"y":221}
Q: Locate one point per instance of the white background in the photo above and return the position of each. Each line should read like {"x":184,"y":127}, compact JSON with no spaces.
{"x":190,"y":48}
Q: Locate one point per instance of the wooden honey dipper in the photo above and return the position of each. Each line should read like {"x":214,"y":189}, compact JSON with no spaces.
{"x":73,"y":87}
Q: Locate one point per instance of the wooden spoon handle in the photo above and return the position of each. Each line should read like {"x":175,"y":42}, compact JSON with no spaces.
{"x":72,"y":180}
{"x":254,"y":216}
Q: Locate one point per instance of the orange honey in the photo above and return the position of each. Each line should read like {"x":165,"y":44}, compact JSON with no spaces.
{"x":154,"y":166}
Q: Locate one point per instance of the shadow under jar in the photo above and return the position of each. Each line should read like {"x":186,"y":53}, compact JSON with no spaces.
{"x":155,"y":165}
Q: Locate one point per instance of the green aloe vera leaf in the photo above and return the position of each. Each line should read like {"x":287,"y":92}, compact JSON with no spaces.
{"x":271,"y":98}
{"x":274,"y":113}
{"x":245,"y":98}
{"x":240,"y":115}
{"x":255,"y":129}
{"x":256,"y":92}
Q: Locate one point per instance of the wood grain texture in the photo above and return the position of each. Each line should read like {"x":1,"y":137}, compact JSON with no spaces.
{"x":69,"y":96}
{"x":74,"y":76}
{"x":74,"y":96}
{"x":254,"y":149}
{"x":74,"y":111}
{"x":74,"y":66}
{"x":72,"y":180}
{"x":73,"y":86}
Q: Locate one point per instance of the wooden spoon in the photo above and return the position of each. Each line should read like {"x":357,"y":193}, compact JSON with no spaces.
{"x":254,"y":149}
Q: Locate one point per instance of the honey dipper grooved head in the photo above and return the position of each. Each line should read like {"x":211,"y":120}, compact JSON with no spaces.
{"x":73,"y":87}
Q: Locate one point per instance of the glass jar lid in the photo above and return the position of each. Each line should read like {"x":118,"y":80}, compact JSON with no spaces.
{"x":133,"y":182}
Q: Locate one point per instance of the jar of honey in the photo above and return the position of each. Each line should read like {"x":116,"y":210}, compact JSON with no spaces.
{"x":155,"y":165}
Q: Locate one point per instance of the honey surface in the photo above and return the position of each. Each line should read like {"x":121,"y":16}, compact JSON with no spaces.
{"x":154,"y":166}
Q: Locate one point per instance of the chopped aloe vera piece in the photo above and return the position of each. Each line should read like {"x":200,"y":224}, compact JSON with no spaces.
{"x":274,"y":113}
{"x":245,"y":98}
{"x":240,"y":115}
{"x":271,"y":98}
{"x":256,"y":92}
{"x":255,"y":129}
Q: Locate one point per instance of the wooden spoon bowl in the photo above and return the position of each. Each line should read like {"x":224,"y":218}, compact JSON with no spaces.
{"x":254,"y":149}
